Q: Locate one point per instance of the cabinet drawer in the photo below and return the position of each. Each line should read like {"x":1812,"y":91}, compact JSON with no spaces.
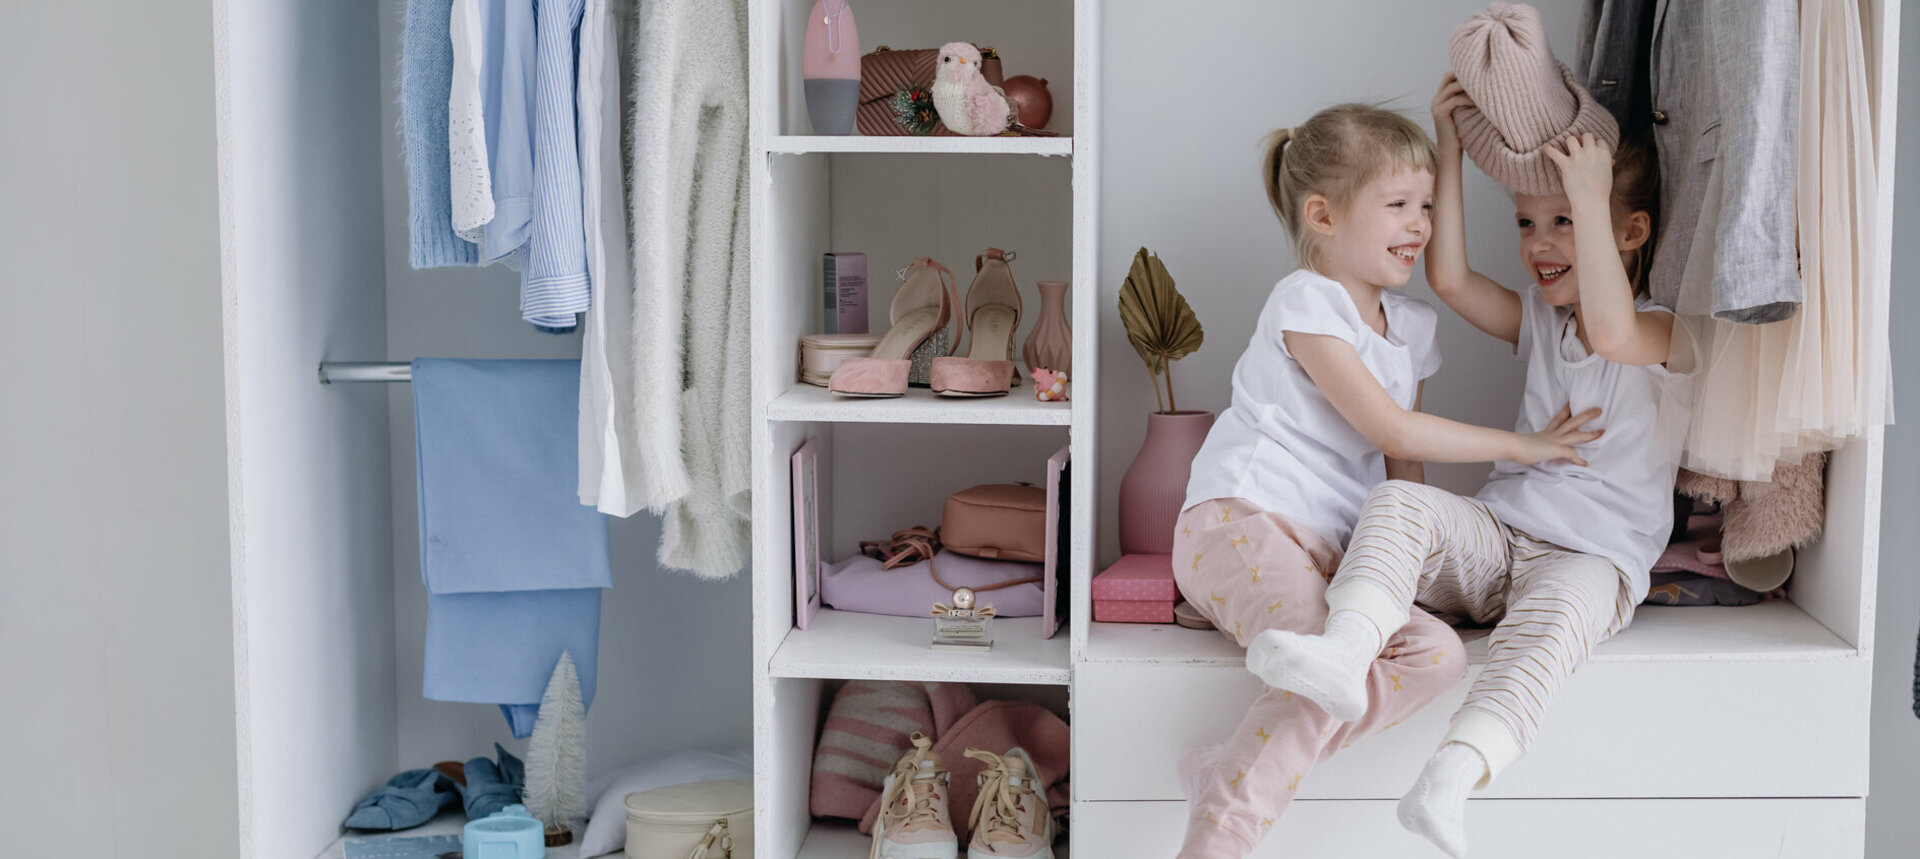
{"x":1696,"y":728}
{"x":1510,"y":829}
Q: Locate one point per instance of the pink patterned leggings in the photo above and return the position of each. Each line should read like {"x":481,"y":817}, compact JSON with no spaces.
{"x":1249,"y":570}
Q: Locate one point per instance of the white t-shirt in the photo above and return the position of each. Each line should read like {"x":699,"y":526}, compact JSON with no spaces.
{"x":1280,"y":444}
{"x":1620,"y":505}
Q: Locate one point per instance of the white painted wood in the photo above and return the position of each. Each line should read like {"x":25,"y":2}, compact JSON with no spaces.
{"x":1510,"y":829}
{"x":1087,"y":320}
{"x":848,"y":645}
{"x":1833,"y":578}
{"x":1619,"y":729}
{"x":1771,"y":631}
{"x":804,"y":402}
{"x":312,"y":530}
{"x":801,"y":144}
{"x":450,"y":822}
{"x":830,"y":839}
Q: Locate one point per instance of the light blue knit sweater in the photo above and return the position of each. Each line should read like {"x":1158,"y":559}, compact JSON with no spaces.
{"x":426,"y":76}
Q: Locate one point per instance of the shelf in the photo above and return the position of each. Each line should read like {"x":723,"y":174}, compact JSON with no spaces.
{"x":804,"y":402}
{"x":832,"y":839}
{"x":450,"y":822}
{"x":848,"y":645}
{"x":800,"y":144}
{"x":1776,"y":630}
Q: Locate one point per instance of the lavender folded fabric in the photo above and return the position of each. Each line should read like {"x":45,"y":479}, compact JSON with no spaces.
{"x":859,"y":584}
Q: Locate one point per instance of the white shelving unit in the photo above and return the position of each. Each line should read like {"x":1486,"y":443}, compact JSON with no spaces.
{"x":897,"y":198}
{"x":1791,"y":677}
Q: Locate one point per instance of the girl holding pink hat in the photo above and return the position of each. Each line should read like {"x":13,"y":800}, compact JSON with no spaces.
{"x":1557,"y":553}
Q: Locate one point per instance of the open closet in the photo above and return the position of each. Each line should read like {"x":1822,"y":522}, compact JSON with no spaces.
{"x":1696,"y":732}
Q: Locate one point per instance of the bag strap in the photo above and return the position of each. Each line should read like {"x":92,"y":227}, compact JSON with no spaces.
{"x":716,"y":836}
{"x":918,"y":543}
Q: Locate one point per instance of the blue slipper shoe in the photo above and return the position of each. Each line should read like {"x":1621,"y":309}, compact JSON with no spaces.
{"x":408,"y":800}
{"x":490,"y":788}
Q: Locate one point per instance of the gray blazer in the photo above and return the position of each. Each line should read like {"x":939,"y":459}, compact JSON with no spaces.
{"x":1613,"y":59}
{"x":1724,"y":76}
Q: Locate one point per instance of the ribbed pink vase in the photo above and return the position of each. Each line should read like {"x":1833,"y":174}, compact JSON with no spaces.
{"x":1155,"y":485}
{"x":1050,"y":343}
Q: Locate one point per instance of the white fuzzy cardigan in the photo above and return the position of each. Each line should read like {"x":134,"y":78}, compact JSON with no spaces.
{"x":688,"y":192}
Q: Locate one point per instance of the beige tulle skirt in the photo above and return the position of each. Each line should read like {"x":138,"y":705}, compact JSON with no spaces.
{"x":1779,"y":391}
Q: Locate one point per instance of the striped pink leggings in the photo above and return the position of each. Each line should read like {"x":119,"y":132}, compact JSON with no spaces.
{"x":1451,"y":554}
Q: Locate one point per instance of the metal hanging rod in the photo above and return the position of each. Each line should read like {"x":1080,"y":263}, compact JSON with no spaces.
{"x":365,"y":371}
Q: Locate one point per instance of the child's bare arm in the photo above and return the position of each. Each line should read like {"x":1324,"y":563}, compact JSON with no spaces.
{"x":1477,"y":298}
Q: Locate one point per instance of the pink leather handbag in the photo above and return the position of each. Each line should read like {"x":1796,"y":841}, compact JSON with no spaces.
{"x":1004,"y":521}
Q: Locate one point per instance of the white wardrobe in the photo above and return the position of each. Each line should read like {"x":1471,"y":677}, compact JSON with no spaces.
{"x":1697,"y":732}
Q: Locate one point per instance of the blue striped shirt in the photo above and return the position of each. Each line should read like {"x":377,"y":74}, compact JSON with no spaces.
{"x":554,"y":285}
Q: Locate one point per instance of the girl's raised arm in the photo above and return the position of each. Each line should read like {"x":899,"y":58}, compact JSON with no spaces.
{"x":1477,"y":298}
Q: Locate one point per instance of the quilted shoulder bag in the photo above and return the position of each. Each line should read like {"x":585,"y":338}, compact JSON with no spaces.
{"x":887,"y":71}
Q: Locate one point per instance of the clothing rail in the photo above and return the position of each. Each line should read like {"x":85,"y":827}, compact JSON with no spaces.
{"x":365,"y":371}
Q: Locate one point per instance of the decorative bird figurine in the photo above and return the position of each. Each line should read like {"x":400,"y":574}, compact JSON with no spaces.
{"x":966,"y":102}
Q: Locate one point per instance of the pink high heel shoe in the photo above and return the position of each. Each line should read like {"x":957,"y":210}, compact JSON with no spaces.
{"x":991,"y":314}
{"x":922,"y":306}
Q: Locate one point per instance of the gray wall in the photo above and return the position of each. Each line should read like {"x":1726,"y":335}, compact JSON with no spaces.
{"x":116,"y":637}
{"x":1190,"y":190}
{"x":1893,"y":828}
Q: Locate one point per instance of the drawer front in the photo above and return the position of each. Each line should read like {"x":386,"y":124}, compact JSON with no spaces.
{"x":1619,"y":729}
{"x":1510,"y":829}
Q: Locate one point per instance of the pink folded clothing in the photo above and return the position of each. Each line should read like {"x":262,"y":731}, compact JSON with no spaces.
{"x":859,"y":584}
{"x":1136,"y":589}
{"x":1691,"y":555}
{"x":867,"y":729}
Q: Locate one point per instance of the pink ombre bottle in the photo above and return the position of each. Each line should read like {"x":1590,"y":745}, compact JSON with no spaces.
{"x":830,"y":67}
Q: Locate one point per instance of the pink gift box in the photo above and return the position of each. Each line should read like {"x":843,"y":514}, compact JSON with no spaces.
{"x":1132,"y":611}
{"x":1136,"y":589}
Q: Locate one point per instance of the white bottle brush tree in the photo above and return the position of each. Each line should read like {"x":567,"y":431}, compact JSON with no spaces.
{"x":556,"y":755}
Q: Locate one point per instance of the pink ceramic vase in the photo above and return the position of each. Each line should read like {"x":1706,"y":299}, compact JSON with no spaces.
{"x":1155,"y":485}
{"x":1050,"y":343}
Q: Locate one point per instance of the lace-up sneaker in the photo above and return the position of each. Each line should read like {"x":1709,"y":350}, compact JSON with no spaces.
{"x":1010,"y":818}
{"x":914,"y":821}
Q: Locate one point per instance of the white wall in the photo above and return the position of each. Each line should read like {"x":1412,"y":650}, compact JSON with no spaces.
{"x":1190,"y":189}
{"x":314,"y":677}
{"x":674,"y":651}
{"x":1893,"y":830}
{"x":115,"y":627}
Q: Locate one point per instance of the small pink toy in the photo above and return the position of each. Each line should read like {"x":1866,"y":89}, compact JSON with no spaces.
{"x":1048,"y":385}
{"x":966,"y":102}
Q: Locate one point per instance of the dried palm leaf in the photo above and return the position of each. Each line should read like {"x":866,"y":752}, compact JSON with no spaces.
{"x":1160,"y":324}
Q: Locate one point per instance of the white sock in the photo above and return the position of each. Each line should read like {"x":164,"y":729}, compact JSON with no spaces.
{"x":1330,"y":669}
{"x":1436,"y":806}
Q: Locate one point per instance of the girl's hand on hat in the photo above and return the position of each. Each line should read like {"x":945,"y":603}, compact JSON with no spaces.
{"x":1451,"y":97}
{"x":1586,"y":167}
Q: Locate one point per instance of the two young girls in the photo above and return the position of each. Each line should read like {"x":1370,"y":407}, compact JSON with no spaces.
{"x":1324,"y":439}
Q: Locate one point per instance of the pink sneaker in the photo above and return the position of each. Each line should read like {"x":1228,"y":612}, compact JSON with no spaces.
{"x":1010,"y":819}
{"x":914,"y":822}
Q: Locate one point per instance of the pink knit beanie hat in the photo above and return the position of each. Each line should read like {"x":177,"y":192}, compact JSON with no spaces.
{"x":1525,"y":99}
